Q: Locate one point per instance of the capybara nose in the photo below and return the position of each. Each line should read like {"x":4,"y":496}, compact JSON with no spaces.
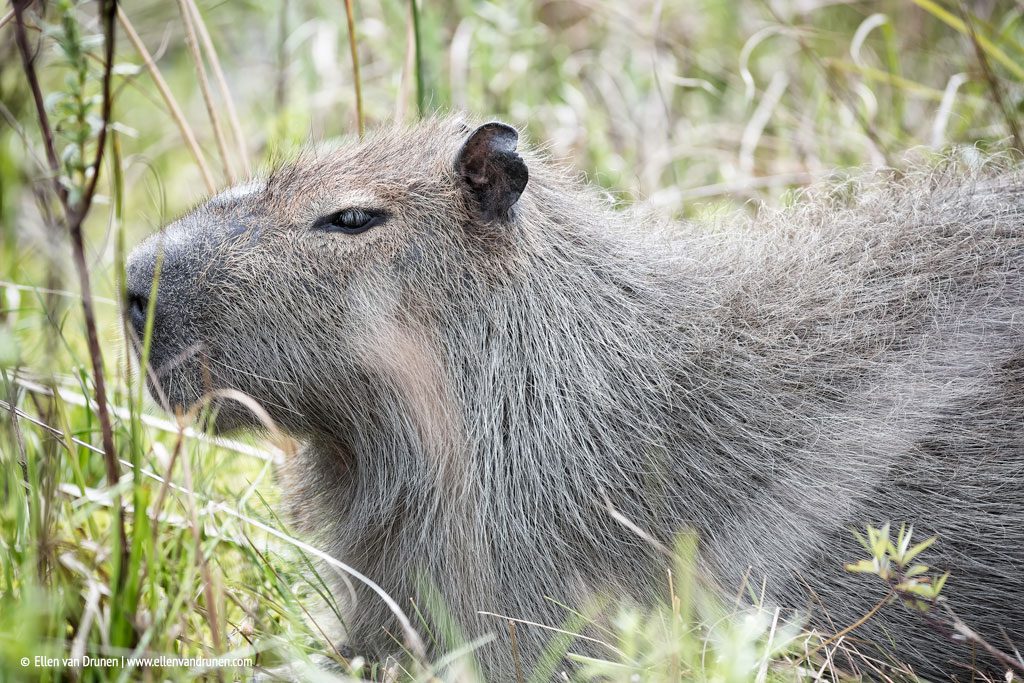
{"x":136,"y":306}
{"x":152,"y":260}
{"x":138,"y":286}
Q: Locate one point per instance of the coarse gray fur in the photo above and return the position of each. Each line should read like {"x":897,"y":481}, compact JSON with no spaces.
{"x":469,"y":392}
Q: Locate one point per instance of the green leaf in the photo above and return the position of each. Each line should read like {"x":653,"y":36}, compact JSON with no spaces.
{"x":881,"y":543}
{"x":918,"y":549}
{"x":863,"y":567}
{"x":916,"y":570}
{"x":903,"y":541}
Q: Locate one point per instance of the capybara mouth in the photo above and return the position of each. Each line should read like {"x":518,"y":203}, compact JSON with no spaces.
{"x":179,"y":381}
{"x":187,"y":385}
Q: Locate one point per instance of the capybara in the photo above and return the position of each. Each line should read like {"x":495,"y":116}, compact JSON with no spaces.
{"x":482,"y":359}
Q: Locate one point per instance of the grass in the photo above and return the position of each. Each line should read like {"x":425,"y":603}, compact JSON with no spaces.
{"x":686,"y":107}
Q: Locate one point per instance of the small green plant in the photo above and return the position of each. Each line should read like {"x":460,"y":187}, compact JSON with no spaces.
{"x":74,"y":110}
{"x":694,"y":636}
{"x":919,"y":589}
{"x":893,"y":562}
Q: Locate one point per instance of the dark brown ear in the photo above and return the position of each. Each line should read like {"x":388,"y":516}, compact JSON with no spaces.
{"x":494,"y":174}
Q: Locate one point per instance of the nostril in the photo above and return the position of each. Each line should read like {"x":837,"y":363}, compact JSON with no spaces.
{"x":137,"y":306}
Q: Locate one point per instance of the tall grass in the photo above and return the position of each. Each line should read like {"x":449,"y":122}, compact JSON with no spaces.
{"x":685,"y":107}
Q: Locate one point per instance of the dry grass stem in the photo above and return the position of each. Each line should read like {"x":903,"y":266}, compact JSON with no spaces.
{"x":168,"y":97}
{"x":222,"y":87}
{"x":204,"y":87}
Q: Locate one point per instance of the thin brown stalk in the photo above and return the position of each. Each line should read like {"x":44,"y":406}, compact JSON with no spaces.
{"x":857,"y":624}
{"x":168,"y":97}
{"x":971,"y":636}
{"x":357,"y":84}
{"x":109,"y":12}
{"x":28,"y":64}
{"x":222,"y":86}
{"x":204,"y":88}
{"x":991,"y":80}
{"x":6,"y":18}
{"x":75,"y":216}
{"x":514,"y":643}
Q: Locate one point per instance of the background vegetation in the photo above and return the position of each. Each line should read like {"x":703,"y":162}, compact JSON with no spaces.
{"x":688,"y":106}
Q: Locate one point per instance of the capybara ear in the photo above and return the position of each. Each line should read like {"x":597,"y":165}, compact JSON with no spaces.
{"x":494,"y":174}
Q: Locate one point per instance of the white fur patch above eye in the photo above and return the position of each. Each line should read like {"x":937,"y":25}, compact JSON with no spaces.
{"x":235,"y":193}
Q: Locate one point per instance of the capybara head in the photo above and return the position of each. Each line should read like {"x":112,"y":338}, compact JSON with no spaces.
{"x":299,"y":285}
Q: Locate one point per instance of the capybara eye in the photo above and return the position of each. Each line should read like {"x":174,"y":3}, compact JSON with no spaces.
{"x":350,"y":221}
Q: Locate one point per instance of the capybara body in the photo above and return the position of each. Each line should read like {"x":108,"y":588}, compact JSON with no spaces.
{"x":483,"y":360}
